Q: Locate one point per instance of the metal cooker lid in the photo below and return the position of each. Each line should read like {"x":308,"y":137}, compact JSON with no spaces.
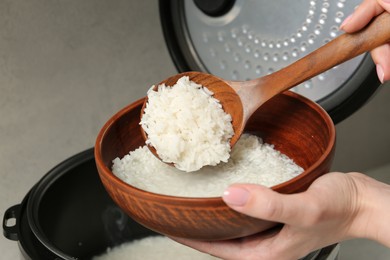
{"x":245,"y":39}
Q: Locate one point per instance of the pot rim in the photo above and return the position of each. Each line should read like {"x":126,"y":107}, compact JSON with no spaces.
{"x":39,"y":190}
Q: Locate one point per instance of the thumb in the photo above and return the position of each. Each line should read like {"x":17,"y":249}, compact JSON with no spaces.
{"x":264,"y":203}
{"x":367,"y":10}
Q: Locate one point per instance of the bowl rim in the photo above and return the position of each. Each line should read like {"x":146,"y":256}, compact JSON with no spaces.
{"x":108,"y":174}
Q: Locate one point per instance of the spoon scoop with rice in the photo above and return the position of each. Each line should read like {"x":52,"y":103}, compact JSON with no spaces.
{"x":241,"y":99}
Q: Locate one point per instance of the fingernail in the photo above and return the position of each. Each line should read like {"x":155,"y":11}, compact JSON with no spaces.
{"x":345,"y":21}
{"x":235,"y":196}
{"x":381,"y":74}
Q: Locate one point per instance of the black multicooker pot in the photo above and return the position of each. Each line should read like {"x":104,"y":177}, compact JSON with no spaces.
{"x":69,"y":215}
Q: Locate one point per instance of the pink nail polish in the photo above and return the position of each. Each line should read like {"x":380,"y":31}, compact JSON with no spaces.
{"x":381,"y":74}
{"x":236,"y":196}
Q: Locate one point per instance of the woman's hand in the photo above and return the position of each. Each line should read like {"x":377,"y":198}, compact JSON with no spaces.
{"x":361,"y":16}
{"x":336,"y":207}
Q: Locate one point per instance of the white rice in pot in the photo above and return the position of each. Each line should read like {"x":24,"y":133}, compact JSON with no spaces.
{"x":157,"y":247}
{"x":187,"y":126}
{"x":252,"y":161}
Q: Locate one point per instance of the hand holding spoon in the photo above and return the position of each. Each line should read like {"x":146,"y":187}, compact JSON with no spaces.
{"x":241,"y":99}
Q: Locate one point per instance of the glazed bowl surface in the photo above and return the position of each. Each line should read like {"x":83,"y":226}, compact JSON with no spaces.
{"x":295,"y":125}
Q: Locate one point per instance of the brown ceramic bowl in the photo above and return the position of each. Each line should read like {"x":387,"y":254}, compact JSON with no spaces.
{"x":295,"y":125}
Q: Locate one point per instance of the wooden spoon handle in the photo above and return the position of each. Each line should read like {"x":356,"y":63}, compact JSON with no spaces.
{"x":339,"y":50}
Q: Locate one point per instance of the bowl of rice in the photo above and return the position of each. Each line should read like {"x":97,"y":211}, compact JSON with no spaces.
{"x":288,"y":143}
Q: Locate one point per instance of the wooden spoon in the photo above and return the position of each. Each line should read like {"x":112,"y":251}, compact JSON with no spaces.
{"x":242,"y":98}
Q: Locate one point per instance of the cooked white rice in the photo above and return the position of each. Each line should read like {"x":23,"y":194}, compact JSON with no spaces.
{"x":187,"y":126}
{"x":252,"y":161}
{"x":157,"y":247}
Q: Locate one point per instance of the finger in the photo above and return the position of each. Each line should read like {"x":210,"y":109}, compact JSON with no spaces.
{"x":362,"y":16}
{"x":381,"y":57}
{"x":259,"y":245}
{"x":261,"y":202}
{"x":385,"y":5}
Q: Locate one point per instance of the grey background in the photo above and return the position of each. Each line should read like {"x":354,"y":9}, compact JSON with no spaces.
{"x":67,"y":66}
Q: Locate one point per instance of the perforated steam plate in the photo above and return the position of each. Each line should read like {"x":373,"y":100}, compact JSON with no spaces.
{"x":245,"y":39}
